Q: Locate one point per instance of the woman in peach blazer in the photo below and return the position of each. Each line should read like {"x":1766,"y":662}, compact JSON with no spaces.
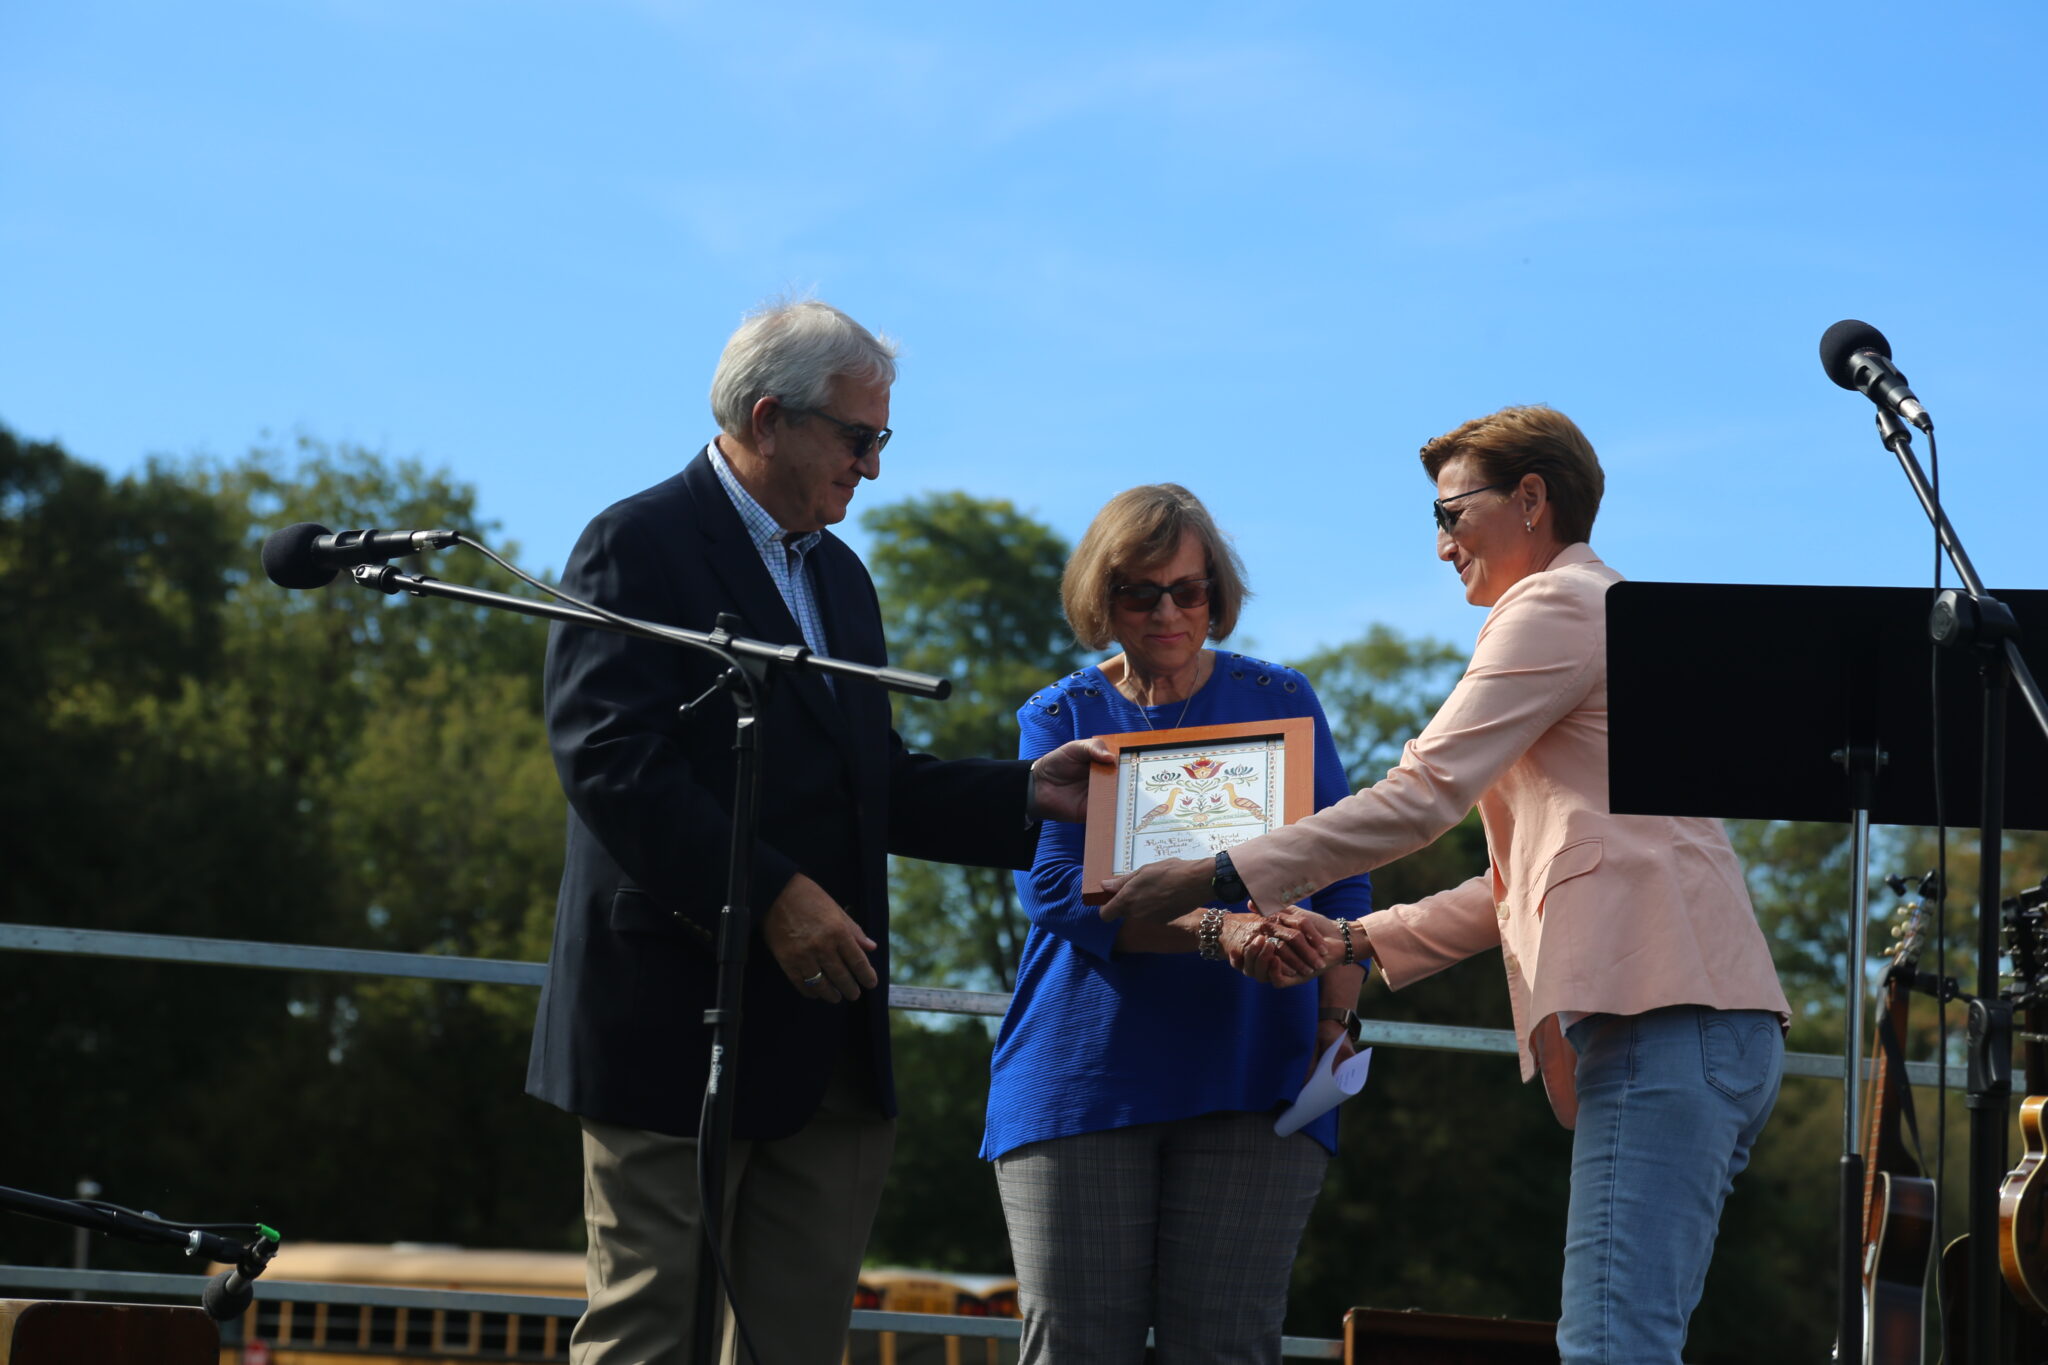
{"x":1642,"y":988}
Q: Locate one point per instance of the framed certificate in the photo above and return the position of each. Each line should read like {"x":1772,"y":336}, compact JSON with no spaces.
{"x":1193,"y":792}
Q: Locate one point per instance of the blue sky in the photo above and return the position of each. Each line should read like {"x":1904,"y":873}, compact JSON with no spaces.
{"x":1262,"y":250}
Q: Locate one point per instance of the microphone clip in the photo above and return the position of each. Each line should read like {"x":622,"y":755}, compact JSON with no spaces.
{"x":1896,"y":435}
{"x":380,"y":577}
{"x":228,"y":1295}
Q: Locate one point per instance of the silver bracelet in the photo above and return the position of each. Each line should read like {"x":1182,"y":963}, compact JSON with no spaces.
{"x":1210,"y":935}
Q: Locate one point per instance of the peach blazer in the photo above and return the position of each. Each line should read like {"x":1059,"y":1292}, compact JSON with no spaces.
{"x":1592,"y":911}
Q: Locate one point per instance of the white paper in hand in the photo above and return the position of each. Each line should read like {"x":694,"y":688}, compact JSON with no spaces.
{"x":1329,"y":1087}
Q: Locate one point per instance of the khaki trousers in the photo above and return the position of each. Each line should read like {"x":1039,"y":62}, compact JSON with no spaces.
{"x":797,"y":1215}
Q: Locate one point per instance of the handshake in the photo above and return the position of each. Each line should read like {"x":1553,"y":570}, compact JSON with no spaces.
{"x":1283,"y":949}
{"x":1286,"y":948}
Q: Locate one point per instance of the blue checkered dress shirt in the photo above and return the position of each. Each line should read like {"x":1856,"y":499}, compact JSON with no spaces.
{"x":782,"y":555}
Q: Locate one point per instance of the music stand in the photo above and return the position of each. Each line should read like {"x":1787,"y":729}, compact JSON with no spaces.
{"x":1813,"y":704}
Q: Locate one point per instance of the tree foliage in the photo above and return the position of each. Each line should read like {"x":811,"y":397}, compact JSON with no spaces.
{"x":196,"y":752}
{"x":1379,"y":691}
{"x":970,"y":590}
{"x":1407,"y":1149}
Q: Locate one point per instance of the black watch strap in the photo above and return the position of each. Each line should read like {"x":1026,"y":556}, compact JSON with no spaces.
{"x":1225,"y":883}
{"x":1348,"y":1018}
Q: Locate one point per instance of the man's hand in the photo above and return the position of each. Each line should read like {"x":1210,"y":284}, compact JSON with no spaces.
{"x":1161,"y":891}
{"x":819,"y":947}
{"x":1059,"y":780}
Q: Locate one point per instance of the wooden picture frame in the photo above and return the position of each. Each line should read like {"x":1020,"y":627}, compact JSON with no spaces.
{"x":1192,"y":792}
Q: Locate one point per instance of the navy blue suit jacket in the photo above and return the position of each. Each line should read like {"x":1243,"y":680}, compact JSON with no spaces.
{"x":620,"y":1035}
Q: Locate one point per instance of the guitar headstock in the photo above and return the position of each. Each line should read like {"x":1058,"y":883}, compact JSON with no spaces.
{"x":2025,"y":930}
{"x":1909,"y":933}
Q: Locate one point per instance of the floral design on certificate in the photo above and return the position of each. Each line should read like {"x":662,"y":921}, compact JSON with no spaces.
{"x":1181,"y":801}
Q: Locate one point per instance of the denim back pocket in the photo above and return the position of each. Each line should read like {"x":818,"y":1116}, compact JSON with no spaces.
{"x":1738,"y":1050}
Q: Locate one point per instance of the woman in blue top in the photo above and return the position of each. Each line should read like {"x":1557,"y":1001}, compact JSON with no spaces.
{"x":1134,"y":1084}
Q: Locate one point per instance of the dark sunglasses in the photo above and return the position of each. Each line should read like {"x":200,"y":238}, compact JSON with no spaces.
{"x":861,"y":440}
{"x":1189,"y":593}
{"x":1447,"y":517}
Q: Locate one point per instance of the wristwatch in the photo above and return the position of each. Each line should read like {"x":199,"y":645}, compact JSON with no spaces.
{"x":1353,"y":1025}
{"x":1225,"y":884}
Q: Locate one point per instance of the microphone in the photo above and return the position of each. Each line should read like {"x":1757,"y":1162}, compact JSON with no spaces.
{"x":1856,"y":356}
{"x":308,"y":555}
{"x":228,"y":1295}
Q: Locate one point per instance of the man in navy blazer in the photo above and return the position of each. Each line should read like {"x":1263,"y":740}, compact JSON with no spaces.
{"x":802,"y":399}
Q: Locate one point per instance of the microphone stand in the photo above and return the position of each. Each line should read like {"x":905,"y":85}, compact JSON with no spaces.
{"x":1862,"y":763}
{"x":248,"y":1259}
{"x":1975,"y":620}
{"x":749,"y":666}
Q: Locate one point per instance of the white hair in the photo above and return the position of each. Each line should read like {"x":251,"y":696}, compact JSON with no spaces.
{"x":793,"y":350}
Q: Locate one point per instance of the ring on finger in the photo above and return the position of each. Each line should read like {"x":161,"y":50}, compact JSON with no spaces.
{"x":814,"y":980}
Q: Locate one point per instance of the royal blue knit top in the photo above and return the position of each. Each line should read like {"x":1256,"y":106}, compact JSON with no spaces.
{"x":1098,"y":1039}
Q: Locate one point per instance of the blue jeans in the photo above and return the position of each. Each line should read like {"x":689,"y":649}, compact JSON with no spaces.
{"x":1669,"y":1104}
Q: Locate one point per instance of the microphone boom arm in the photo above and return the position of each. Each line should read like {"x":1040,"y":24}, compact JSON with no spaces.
{"x":756,"y":654}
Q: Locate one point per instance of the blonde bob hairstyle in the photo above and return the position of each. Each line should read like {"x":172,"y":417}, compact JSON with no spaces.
{"x":1139,"y":529}
{"x":1530,"y":440}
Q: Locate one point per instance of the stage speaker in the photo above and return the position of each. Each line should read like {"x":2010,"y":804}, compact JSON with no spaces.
{"x":1378,"y":1336}
{"x":66,"y":1332}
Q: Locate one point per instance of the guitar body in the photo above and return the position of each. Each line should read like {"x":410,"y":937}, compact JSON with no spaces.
{"x":2026,"y":1337}
{"x":2023,"y":1215}
{"x":1895,"y":1269}
{"x":1898,"y":1202}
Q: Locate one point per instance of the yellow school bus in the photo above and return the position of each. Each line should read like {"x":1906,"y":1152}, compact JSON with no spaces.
{"x":925,"y":1291}
{"x":309,"y":1329}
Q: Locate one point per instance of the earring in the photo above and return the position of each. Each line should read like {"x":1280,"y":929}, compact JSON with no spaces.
{"x":1528,"y":525}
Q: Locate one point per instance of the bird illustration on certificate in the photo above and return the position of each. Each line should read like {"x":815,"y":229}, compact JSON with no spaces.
{"x":1192,"y":801}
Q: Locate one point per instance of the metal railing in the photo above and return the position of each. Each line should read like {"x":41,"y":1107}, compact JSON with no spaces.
{"x":431,"y":967}
{"x":187,"y":1287}
{"x":221,"y":952}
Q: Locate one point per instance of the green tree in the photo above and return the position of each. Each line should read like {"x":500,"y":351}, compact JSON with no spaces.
{"x":112,"y":599}
{"x":940,"y":1210}
{"x":1378,"y":692}
{"x":306,"y":667}
{"x":198,"y":752}
{"x":1378,"y":1237}
{"x":970,"y":589}
{"x":111,"y":581}
{"x":411,"y":729}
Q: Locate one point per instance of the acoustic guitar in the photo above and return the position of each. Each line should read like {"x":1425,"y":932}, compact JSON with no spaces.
{"x":1898,"y":1201}
{"x":2024,"y":1333}
{"x":2023,"y":1195}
